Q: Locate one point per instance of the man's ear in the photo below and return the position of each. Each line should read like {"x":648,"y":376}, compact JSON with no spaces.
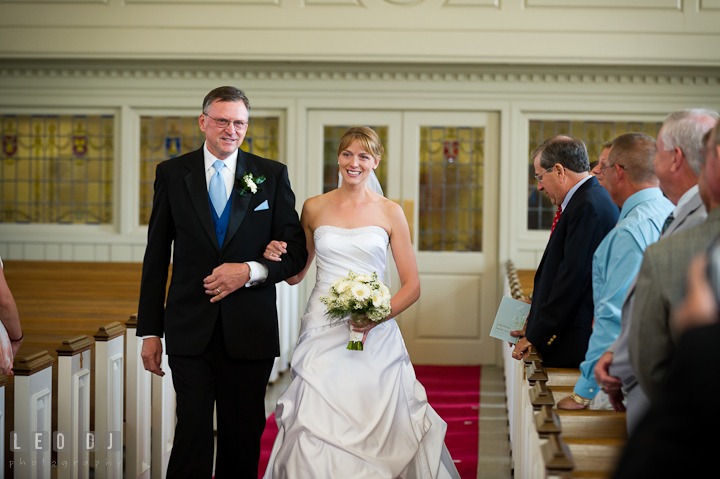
{"x":678,"y":159}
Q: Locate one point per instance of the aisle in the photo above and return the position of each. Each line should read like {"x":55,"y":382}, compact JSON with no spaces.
{"x":454,"y":392}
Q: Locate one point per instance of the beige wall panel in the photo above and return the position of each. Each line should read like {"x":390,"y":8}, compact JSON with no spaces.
{"x":642,"y":4}
{"x":449,"y":296}
{"x":709,"y":4}
{"x":332,"y":2}
{"x":442,"y":31}
{"x":204,"y":3}
{"x":471,"y":3}
{"x":415,"y":46}
{"x":54,"y":1}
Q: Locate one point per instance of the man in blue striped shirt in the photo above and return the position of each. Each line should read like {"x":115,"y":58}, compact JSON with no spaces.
{"x":628,"y":175}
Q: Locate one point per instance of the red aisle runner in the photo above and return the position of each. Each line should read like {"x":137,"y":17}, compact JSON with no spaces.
{"x":454,"y":392}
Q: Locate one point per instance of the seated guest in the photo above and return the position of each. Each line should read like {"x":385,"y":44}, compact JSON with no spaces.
{"x":661,"y":281}
{"x":629,"y":177}
{"x":560,"y":319}
{"x":677,"y":166}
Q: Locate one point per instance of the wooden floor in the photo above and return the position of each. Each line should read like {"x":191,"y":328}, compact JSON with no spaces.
{"x":58,"y":301}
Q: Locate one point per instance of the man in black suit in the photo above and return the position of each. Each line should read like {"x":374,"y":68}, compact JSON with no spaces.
{"x":560,"y":319}
{"x":214,"y":212}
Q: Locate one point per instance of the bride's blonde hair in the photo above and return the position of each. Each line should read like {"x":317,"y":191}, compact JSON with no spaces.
{"x":367,"y":137}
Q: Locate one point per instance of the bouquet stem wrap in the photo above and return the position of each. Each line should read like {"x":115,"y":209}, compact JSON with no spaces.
{"x":356,"y":338}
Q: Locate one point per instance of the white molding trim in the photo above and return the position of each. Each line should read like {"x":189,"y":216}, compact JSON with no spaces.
{"x":371,"y":73}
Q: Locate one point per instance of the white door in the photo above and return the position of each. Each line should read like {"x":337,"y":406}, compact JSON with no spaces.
{"x":442,"y":167}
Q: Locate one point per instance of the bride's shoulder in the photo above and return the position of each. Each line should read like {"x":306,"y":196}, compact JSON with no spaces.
{"x":390,"y":208}
{"x":394,"y":215}
{"x":315,"y":203}
{"x":313,"y":208}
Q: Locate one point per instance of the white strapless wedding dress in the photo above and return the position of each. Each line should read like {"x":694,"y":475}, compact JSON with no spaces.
{"x":354,"y":414}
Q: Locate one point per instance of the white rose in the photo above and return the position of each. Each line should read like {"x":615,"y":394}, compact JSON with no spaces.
{"x":252,"y":185}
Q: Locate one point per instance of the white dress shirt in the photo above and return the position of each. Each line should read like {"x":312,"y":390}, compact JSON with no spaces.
{"x":258,"y":272}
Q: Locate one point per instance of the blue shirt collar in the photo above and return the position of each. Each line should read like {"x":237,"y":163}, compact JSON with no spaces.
{"x":635,"y":199}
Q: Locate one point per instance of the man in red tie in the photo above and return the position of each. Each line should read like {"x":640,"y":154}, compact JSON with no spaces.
{"x":560,"y":319}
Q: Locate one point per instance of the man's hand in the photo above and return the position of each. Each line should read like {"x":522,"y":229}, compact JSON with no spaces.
{"x":520,"y":348}
{"x":225,"y":279}
{"x":609,"y":384}
{"x":152,"y":355}
{"x":616,"y":400}
{"x":518,"y":334}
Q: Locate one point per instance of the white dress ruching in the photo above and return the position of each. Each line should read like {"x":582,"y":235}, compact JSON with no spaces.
{"x":354,"y":414}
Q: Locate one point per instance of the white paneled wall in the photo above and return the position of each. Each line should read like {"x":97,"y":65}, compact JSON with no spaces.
{"x":100,"y":252}
{"x":657,"y":32}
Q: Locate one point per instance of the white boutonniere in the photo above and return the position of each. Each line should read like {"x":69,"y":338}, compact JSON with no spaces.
{"x":250,"y":183}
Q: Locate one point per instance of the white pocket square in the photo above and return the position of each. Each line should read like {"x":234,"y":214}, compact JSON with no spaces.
{"x":262,"y":206}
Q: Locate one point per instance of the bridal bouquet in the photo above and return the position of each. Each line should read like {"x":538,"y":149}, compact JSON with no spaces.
{"x":357,"y":294}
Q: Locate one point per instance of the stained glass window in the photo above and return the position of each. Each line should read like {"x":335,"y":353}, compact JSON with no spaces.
{"x":56,"y":169}
{"x":451,"y":188}
{"x":163,"y":137}
{"x":594,"y":133}
{"x":332,"y":136}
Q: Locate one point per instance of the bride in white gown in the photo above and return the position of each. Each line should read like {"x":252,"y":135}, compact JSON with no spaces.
{"x":356,"y":414}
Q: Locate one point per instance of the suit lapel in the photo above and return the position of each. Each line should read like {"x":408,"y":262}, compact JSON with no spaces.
{"x":240,"y":203}
{"x":197,"y":187}
{"x":684,"y":213}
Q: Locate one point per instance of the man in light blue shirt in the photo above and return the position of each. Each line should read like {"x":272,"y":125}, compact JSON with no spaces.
{"x":629,"y":177}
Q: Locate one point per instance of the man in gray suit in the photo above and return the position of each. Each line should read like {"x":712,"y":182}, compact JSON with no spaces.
{"x":677,"y":165}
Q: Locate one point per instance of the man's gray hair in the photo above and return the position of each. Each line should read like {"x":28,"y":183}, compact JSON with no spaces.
{"x":225,"y":94}
{"x":684,"y":129}
{"x":567,"y":150}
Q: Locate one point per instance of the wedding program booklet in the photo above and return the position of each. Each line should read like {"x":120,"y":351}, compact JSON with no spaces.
{"x":511,"y":316}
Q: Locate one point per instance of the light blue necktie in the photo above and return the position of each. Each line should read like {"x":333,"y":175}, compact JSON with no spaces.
{"x":217,"y":189}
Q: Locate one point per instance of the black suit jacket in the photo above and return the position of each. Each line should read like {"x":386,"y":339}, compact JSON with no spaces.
{"x":181,"y":219}
{"x":560,"y":319}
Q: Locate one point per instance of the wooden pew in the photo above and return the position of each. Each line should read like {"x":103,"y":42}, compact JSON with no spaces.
{"x":59,"y":301}
{"x":594,"y":439}
{"x":583,"y":443}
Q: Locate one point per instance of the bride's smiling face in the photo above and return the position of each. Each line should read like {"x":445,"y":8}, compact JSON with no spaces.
{"x":356,"y":163}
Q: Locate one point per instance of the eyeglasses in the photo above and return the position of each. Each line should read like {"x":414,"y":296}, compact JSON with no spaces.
{"x":610,"y":166}
{"x":223,"y":123}
{"x":538,"y":178}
